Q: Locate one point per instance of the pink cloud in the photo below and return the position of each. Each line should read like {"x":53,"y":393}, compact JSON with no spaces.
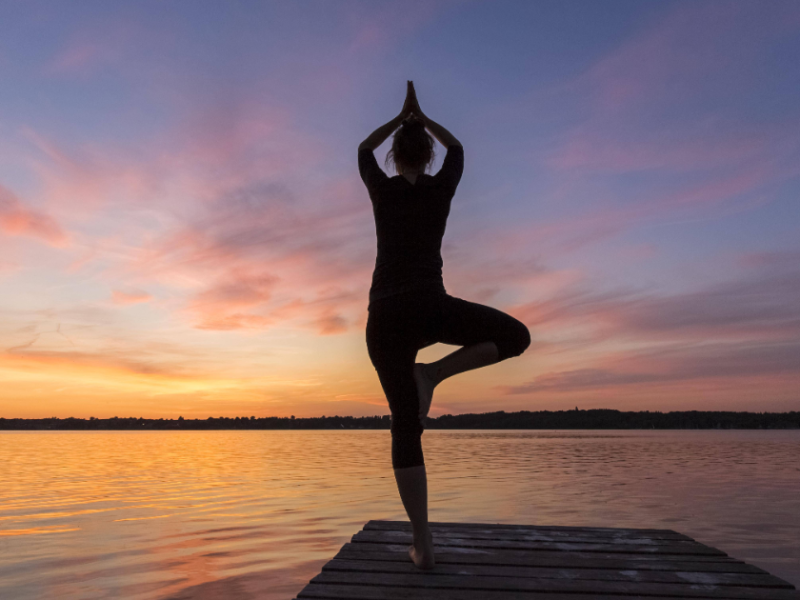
{"x":238,"y":141}
{"x":213,"y":150}
{"x":222,"y":160}
{"x":678,"y":364}
{"x":221,"y":305}
{"x":17,"y":219}
{"x":108,"y":363}
{"x":133,"y":297}
{"x":602,"y":146}
{"x":756,"y":307}
{"x":262,"y":301}
{"x":662,"y":102}
{"x":695,"y":47}
{"x":245,"y":247}
{"x":7,"y":267}
{"x":229,"y":217}
{"x":779,"y":259}
{"x":258,"y":256}
{"x":93,"y":46}
{"x":255,"y":259}
{"x":329,"y":323}
{"x":88,"y":179}
{"x":384,"y":24}
{"x":735,"y":190}
{"x":77,"y":57}
{"x":233,"y":321}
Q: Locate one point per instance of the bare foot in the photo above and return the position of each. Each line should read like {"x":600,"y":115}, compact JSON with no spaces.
{"x":425,"y":385}
{"x":422,"y":553}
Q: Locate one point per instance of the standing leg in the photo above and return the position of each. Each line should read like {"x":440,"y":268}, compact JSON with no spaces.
{"x":412,"y":483}
{"x":407,"y":457}
{"x":392,"y":346}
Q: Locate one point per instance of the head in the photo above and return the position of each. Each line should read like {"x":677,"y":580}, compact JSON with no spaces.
{"x":412,"y":147}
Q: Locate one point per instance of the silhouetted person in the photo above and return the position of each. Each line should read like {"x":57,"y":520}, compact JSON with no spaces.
{"x":409,"y":308}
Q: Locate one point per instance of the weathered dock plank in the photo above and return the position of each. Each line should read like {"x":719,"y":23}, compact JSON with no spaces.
{"x":360,"y":592}
{"x":680,"y":577}
{"x":520,"y":536}
{"x":679,"y":547}
{"x":452,"y":554}
{"x":553,"y":530}
{"x":478,"y":561}
{"x":558,"y":586}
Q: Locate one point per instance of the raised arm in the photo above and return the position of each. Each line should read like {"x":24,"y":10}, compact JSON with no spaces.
{"x":377,"y":137}
{"x":445,"y":138}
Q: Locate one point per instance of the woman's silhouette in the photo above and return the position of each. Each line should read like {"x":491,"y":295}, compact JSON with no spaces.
{"x":409,"y":308}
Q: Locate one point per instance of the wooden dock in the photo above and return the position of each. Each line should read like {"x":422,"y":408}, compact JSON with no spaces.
{"x":477,"y":561}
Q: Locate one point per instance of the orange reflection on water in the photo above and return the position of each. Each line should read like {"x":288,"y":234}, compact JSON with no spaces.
{"x":255,"y":514}
{"x":36,"y":530}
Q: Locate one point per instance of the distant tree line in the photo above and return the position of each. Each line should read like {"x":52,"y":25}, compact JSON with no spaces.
{"x":543,"y":419}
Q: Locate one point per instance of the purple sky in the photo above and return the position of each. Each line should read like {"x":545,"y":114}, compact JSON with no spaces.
{"x":183,"y":229}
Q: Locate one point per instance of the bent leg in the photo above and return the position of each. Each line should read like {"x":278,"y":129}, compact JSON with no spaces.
{"x":464,"y":359}
{"x":487,"y":334}
{"x":466,"y":323}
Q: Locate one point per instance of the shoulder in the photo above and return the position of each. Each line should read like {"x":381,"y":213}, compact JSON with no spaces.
{"x":454,"y":156}
{"x":371,"y":173}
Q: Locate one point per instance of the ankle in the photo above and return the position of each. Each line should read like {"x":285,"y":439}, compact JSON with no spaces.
{"x":421,"y":535}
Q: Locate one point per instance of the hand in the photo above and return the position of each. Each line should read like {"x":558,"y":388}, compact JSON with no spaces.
{"x":411,"y":105}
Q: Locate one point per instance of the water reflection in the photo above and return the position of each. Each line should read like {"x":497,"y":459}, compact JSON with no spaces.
{"x":255,"y":514}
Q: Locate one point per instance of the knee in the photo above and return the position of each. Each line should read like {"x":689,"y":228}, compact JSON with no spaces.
{"x":406,"y":427}
{"x":406,"y":440}
{"x":516,"y":342}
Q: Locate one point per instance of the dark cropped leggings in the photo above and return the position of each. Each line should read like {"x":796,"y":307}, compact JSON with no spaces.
{"x":400,"y":325}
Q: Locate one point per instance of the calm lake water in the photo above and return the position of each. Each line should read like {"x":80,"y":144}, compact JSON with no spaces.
{"x":255,"y":514}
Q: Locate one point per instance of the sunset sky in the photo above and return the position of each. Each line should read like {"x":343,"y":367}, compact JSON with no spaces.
{"x":183,"y":229}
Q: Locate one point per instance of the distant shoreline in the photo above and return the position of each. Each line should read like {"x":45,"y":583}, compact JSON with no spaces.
{"x":563,"y":419}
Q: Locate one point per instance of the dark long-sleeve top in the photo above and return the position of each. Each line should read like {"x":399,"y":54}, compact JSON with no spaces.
{"x":410,"y":220}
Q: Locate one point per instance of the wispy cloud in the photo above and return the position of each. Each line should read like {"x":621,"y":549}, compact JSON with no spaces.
{"x":18,"y":219}
{"x":680,"y":364}
{"x":667,"y":130}
{"x":694,"y":50}
{"x":384,"y":24}
{"x":746,"y":328}
{"x":757,"y":305}
{"x":96,"y":44}
{"x":84,"y":181}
